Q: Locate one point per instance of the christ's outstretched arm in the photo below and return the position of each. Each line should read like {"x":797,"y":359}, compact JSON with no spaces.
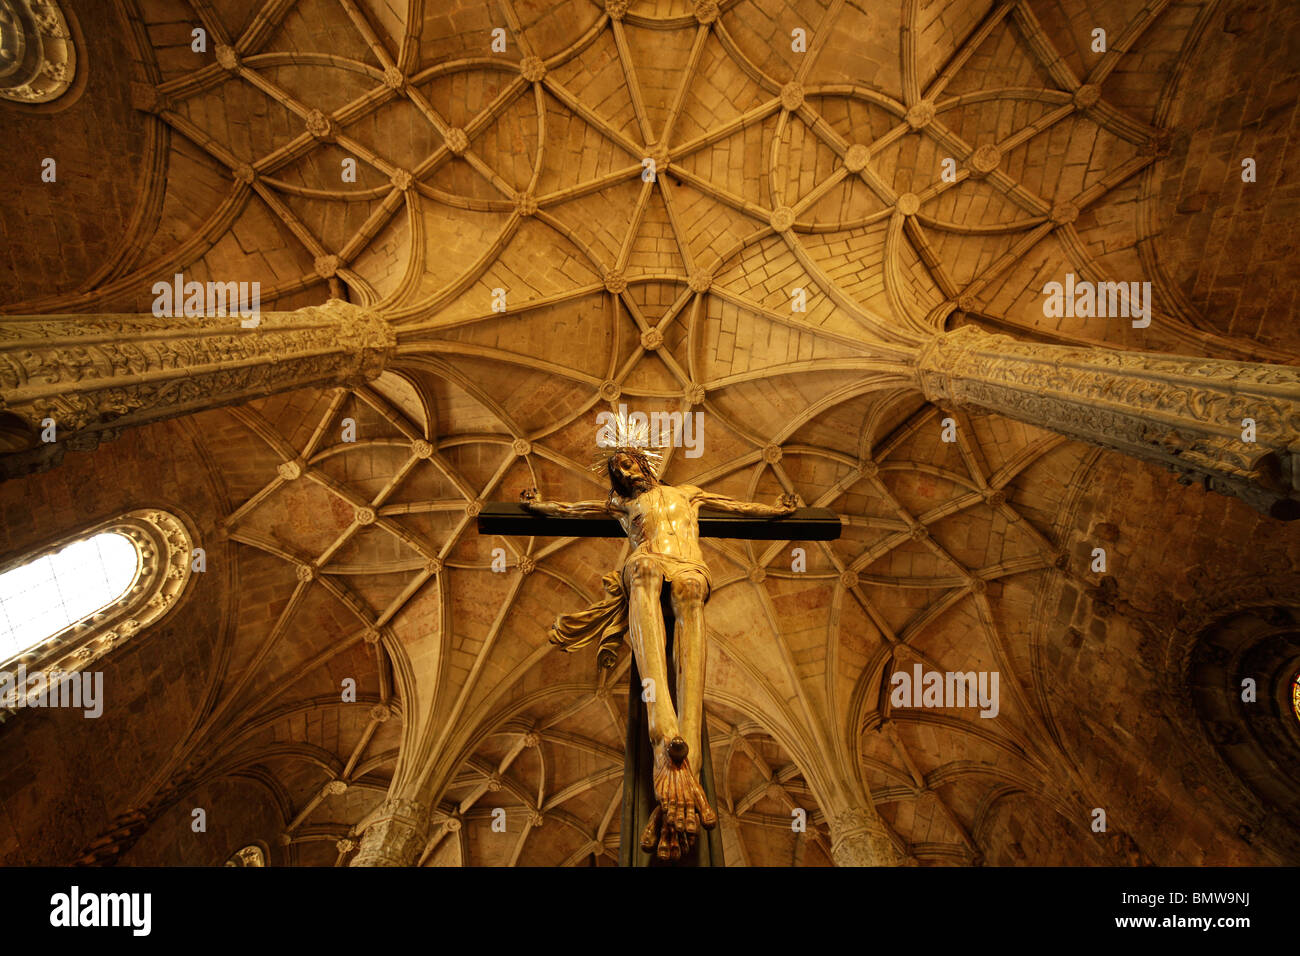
{"x":785,"y":505}
{"x":566,"y":509}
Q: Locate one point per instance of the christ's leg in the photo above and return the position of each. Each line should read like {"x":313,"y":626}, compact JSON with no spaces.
{"x":688,"y":649}
{"x":689,"y":591}
{"x":676,"y":819}
{"x":646,"y":635}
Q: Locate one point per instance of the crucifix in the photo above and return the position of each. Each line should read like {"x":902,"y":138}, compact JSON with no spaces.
{"x":656,"y":602}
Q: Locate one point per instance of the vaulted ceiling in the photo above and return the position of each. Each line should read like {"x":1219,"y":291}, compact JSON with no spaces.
{"x":500,"y":217}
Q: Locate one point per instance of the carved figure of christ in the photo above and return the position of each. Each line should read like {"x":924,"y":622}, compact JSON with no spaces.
{"x":662,"y":523}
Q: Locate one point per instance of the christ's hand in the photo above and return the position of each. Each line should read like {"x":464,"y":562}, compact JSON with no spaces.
{"x":786,"y":504}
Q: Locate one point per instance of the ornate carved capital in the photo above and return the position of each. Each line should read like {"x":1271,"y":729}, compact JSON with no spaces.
{"x":395,"y":835}
{"x":1190,"y":415}
{"x":859,"y":839}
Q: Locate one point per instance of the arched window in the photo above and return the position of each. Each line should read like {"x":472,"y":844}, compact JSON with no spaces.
{"x":44,"y":597}
{"x":64,"y":605}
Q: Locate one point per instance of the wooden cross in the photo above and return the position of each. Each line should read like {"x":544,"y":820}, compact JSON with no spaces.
{"x":804,"y":524}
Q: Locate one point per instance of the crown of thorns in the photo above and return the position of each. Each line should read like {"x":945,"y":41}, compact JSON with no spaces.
{"x":623,"y":436}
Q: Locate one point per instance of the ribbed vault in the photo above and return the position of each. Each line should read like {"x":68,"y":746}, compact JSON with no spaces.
{"x":501,"y":218}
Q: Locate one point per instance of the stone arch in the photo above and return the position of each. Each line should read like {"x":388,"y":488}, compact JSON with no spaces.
{"x":1016,"y":827}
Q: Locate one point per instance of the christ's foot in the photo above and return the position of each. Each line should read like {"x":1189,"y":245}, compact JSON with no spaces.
{"x":670,"y":843}
{"x":683,"y":808}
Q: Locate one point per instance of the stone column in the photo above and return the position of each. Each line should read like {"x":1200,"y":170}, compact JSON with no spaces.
{"x":122,"y":834}
{"x":394,"y":835}
{"x":93,"y":375}
{"x":1184,"y":413}
{"x":859,"y":839}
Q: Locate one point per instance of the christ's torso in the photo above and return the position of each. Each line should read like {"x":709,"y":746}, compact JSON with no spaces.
{"x":664,"y":520}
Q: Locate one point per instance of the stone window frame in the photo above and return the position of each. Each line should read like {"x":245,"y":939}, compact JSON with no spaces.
{"x":50,"y":47}
{"x":1292,"y":692}
{"x":254,"y":854}
{"x":1252,"y":747}
{"x":164,"y":548}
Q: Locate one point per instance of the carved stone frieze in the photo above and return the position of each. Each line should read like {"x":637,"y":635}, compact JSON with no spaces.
{"x":1188,"y":414}
{"x":90,"y":373}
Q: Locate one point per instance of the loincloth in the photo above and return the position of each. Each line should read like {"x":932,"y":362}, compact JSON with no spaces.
{"x":606,"y":620}
{"x":670,"y":566}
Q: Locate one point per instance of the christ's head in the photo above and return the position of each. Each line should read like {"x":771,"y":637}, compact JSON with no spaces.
{"x":630,"y":474}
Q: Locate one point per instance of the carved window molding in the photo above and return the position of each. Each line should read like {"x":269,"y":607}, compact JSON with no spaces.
{"x":38,"y":57}
{"x":164,"y":549}
{"x":251,"y":855}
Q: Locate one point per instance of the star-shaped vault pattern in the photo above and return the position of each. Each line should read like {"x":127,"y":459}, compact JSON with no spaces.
{"x":662,"y":204}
